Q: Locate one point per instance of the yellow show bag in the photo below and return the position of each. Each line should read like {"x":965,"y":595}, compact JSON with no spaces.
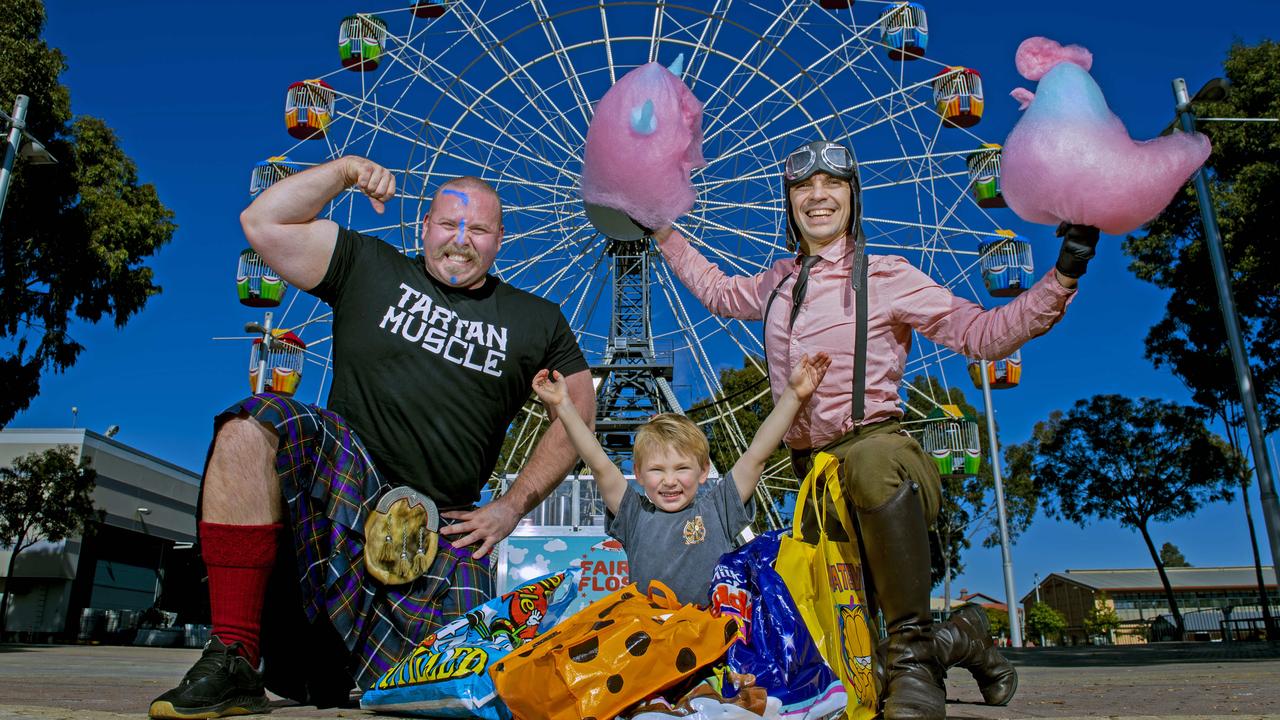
{"x":824,"y":576}
{"x":612,"y":654}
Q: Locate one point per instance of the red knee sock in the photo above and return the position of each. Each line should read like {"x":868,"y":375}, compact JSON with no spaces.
{"x":239,"y":559}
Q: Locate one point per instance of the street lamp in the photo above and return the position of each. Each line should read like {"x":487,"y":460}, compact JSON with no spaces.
{"x":32,"y":150}
{"x":1216,"y":89}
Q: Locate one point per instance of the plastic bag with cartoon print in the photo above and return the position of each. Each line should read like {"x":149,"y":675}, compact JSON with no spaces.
{"x":446,"y":674}
{"x":824,"y":575}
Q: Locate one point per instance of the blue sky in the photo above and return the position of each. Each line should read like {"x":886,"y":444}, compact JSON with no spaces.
{"x":195,"y":92}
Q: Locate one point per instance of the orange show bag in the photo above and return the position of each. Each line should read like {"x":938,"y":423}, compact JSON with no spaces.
{"x":610,"y":655}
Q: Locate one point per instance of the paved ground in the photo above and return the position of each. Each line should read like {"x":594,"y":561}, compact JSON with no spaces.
{"x":1182,"y":680}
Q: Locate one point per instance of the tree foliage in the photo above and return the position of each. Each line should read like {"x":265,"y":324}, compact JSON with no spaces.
{"x":1045,"y":622}
{"x":999,"y":620}
{"x":44,"y":496}
{"x":1137,"y":462}
{"x":73,"y":235}
{"x":1171,"y":556}
{"x":968,"y":511}
{"x":1101,"y":619}
{"x":1244,"y":178}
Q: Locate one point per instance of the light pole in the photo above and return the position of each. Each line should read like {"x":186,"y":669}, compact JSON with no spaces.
{"x":1015,"y":627}
{"x":1037,"y":579}
{"x":31,"y":150}
{"x":1215,"y":90}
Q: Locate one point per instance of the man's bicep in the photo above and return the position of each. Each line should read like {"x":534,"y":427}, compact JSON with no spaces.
{"x":582,"y":394}
{"x":299,"y":253}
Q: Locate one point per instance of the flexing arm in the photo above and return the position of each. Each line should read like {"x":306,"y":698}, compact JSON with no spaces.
{"x":737,"y":296}
{"x":966,"y":327}
{"x":281,"y":224}
{"x":804,"y":380}
{"x":550,"y":388}
{"x":551,"y":460}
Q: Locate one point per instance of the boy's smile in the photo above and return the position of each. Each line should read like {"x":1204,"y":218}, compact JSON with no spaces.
{"x":670,"y":478}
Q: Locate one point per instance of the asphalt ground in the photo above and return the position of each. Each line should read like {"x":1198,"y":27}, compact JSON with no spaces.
{"x":1167,"y":680}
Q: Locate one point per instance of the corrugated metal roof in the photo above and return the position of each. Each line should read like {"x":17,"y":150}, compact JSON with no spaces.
{"x":1181,"y":578}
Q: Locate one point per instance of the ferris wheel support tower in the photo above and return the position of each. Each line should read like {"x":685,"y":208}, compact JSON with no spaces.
{"x":634,"y":380}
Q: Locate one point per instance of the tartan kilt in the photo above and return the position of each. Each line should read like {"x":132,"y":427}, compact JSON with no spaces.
{"x":325,"y":621}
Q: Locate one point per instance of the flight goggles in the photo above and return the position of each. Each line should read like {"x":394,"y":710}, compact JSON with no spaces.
{"x":819,"y":156}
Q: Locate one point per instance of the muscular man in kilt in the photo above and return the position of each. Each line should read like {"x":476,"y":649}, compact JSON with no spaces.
{"x":433,"y":358}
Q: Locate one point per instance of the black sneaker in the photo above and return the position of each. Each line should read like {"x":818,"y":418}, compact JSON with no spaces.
{"x":221,"y":683}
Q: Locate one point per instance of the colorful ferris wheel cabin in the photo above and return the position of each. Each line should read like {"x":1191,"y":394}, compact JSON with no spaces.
{"x":904,"y":30}
{"x":951,"y":439}
{"x":283,"y":363}
{"x":957,"y":96}
{"x":258,"y":285}
{"x":361,"y":40}
{"x":984,"y":176}
{"x":430,"y":8}
{"x":269,"y":172}
{"x":1007,"y":266}
{"x":1001,"y":374}
{"x":308,"y":109}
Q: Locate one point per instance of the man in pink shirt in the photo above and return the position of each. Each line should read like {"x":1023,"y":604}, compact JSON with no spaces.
{"x":861,"y":310}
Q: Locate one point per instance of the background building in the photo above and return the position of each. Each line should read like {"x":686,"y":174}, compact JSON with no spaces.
{"x":123,"y":563}
{"x":1205,"y":596}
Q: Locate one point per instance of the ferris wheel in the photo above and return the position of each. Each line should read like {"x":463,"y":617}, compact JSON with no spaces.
{"x":504,"y":90}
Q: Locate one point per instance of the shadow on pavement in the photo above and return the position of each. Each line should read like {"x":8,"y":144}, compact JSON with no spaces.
{"x":1152,"y":654}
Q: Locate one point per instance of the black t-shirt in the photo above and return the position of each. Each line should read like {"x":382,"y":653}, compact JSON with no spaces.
{"x":431,"y":376}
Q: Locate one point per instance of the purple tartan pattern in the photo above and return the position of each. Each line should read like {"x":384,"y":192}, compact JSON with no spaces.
{"x":329,"y":486}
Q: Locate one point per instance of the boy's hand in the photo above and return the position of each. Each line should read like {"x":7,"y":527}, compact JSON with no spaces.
{"x":550,"y":388}
{"x":808,"y":375}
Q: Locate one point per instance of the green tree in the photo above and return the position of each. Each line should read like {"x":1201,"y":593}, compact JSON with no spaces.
{"x":968,"y":511}
{"x":1137,"y":462}
{"x":1171,"y":556}
{"x":1101,"y":619}
{"x":43,"y":496}
{"x":74,"y":234}
{"x":1243,"y":173}
{"x":1045,"y":622}
{"x":999,"y":620}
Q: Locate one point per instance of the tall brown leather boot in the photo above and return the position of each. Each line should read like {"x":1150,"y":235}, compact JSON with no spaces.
{"x":895,"y":543}
{"x":965,"y":641}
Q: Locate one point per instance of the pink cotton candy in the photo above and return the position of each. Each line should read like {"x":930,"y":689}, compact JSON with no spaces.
{"x":1071,"y":159}
{"x":644,"y":140}
{"x":1037,"y":56}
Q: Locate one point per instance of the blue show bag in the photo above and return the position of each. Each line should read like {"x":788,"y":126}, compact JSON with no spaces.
{"x":779,"y":650}
{"x":447,"y":674}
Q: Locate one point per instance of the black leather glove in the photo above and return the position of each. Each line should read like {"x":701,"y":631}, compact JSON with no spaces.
{"x":1078,"y":244}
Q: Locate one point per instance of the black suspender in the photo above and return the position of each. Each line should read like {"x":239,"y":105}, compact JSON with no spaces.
{"x":858,"y":280}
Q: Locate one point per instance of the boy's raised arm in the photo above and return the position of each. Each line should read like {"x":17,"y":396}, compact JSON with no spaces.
{"x":550,"y":389}
{"x":804,"y":380}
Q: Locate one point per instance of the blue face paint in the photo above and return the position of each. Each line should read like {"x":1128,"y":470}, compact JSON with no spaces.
{"x":466,"y":200}
{"x":453,"y":279}
{"x":458,"y":194}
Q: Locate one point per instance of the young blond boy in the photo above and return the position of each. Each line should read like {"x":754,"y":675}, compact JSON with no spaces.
{"x":676,"y":531}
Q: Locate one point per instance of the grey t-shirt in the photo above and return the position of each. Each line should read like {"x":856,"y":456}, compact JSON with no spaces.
{"x":680,"y":548}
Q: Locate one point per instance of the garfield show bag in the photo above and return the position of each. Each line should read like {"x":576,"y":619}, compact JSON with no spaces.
{"x":778,"y":650}
{"x":825,"y":580}
{"x":612,"y":654}
{"x":447,"y":676}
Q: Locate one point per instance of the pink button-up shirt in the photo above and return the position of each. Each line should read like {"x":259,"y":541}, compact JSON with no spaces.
{"x":899,"y":298}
